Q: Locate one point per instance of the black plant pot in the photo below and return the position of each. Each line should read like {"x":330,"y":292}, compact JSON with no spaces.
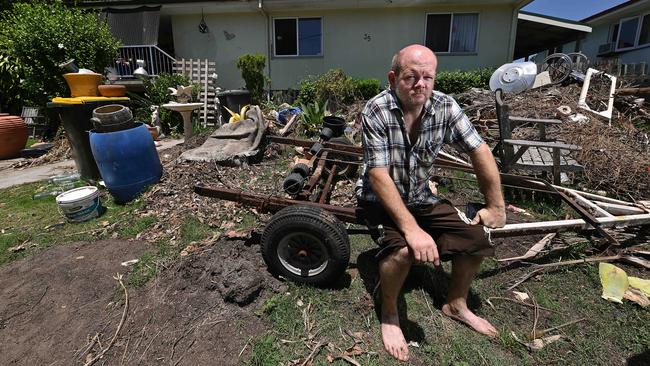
{"x":336,"y":124}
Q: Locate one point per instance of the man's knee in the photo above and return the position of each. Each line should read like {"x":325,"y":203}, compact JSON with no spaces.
{"x":400,"y":257}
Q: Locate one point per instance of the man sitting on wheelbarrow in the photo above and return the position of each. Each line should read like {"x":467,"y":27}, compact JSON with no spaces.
{"x":403,"y":131}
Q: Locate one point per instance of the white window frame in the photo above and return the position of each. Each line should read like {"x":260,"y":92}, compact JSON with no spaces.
{"x":451,"y":24}
{"x":297,"y":37}
{"x":638,"y":31}
{"x":637,"y":34}
{"x":610,"y":34}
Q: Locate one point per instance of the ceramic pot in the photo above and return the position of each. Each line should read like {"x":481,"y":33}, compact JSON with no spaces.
{"x":112,"y":90}
{"x":13,"y":136}
{"x":111,"y":118}
{"x":83,"y":85}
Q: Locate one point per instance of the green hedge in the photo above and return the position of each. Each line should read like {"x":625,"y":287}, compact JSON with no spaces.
{"x":336,"y":88}
{"x":453,"y":82}
{"x":35,"y":37}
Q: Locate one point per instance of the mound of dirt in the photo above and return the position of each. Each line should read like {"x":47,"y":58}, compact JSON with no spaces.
{"x":201,"y":312}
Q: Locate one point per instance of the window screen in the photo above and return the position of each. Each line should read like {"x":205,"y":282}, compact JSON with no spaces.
{"x":309,"y":32}
{"x":463,"y":32}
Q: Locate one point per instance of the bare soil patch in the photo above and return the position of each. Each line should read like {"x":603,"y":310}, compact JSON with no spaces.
{"x":62,"y":306}
{"x":52,"y":301}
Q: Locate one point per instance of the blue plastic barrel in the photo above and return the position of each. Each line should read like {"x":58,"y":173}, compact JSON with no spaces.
{"x":127,"y":161}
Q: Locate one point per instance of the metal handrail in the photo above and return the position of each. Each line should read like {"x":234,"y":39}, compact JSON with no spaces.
{"x":156,"y":60}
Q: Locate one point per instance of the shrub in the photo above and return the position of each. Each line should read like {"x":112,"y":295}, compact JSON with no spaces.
{"x":334,"y":86}
{"x":251,"y":67}
{"x":367,"y":88}
{"x":312,"y":117}
{"x":37,"y":36}
{"x":453,"y":82}
{"x":156,"y":92}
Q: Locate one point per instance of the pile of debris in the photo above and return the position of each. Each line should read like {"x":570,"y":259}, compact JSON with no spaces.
{"x":615,"y":154}
{"x":59,"y":152}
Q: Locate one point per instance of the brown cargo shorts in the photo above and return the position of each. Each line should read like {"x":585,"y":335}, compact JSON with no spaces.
{"x":448,"y":227}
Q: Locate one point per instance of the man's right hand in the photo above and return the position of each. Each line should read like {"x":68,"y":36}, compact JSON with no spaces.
{"x":423,"y":247}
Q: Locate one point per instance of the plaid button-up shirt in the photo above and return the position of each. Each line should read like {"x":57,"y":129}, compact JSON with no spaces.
{"x":386,"y":144}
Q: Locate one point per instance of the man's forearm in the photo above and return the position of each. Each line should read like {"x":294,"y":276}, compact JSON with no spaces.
{"x":488,"y":176}
{"x":384,"y":188}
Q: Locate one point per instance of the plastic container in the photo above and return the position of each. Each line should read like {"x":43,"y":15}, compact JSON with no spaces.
{"x":127,"y":160}
{"x":234,"y":100}
{"x":79,"y":204}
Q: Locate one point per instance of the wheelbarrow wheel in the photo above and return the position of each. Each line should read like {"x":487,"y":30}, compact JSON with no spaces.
{"x":306,"y":244}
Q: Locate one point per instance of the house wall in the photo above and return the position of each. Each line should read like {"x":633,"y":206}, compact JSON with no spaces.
{"x":344,"y":46}
{"x":600,"y":34}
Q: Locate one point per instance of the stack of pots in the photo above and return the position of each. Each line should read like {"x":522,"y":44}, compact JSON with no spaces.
{"x":124,"y":151}
{"x":13,"y":136}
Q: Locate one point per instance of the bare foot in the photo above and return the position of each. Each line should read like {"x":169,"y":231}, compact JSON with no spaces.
{"x":393,"y":338}
{"x":465,"y":316}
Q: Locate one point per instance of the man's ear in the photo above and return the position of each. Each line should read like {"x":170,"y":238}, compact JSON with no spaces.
{"x":392,"y":78}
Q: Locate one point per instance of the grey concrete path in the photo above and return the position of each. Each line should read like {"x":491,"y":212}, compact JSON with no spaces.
{"x":11,"y":177}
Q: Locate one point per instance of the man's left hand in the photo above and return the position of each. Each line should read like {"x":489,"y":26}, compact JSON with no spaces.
{"x":492,"y":217}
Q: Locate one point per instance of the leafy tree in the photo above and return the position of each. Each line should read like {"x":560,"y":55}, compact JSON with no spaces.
{"x":35,"y":37}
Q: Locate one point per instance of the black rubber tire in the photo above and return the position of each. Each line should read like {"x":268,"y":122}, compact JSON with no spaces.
{"x":316,"y":148}
{"x":306,"y":244}
{"x":346,"y":170}
{"x":326,"y":133}
{"x":302,"y":169}
{"x":293,"y":183}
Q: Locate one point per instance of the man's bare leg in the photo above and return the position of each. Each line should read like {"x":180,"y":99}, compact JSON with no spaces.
{"x":392,"y":274}
{"x":463,"y":270}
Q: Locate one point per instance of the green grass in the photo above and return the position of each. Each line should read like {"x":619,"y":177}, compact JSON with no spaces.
{"x":150,"y":263}
{"x":611,"y":334}
{"x":38,"y":224}
{"x":193,"y":230}
{"x":265,"y":352}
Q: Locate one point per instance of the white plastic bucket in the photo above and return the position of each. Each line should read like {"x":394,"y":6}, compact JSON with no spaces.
{"x":79,"y":204}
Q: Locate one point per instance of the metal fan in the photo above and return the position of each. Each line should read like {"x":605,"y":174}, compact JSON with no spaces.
{"x":559,"y":67}
{"x":514,"y":77}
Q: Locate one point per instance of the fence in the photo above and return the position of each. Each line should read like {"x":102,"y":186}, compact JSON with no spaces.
{"x":201,"y":72}
{"x":616,"y":68}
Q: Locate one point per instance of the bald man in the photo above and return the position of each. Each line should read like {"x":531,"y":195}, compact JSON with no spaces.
{"x":403,"y":131}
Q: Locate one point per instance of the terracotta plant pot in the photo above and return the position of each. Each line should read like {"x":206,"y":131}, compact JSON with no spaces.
{"x":112,"y":90}
{"x":83,"y":85}
{"x":153,"y":131}
{"x":13,"y":136}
